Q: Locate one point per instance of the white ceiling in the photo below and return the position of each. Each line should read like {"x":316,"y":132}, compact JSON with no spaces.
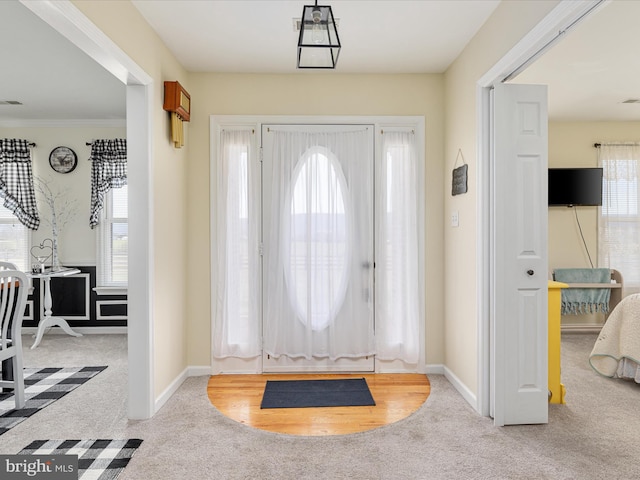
{"x":52,"y":78}
{"x":594,"y":68}
{"x":589,"y":73}
{"x":397,"y":36}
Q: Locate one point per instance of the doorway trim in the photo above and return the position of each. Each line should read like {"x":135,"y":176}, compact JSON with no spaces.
{"x":379,"y":122}
{"x":70,"y":22}
{"x":541,"y":38}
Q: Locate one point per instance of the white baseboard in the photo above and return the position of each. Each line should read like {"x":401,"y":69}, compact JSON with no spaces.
{"x":199,"y":371}
{"x":170,"y":390}
{"x":434,"y":369}
{"x":462,"y":389}
{"x":580,"y":328}
{"x":190,"y":371}
{"x":82,"y":330}
{"x":205,"y":370}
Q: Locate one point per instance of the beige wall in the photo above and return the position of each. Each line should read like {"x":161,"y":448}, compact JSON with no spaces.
{"x":182,"y":250}
{"x":571,"y":145}
{"x":77,"y":242}
{"x":509,"y":23}
{"x":309,"y":94}
{"x":122,"y":22}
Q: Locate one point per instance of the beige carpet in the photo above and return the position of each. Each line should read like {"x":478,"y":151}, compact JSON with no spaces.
{"x":593,"y":436}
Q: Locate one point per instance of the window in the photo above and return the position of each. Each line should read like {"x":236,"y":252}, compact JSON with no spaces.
{"x":113,"y":240}
{"x":15,"y":240}
{"x":317,"y":250}
{"x":398,"y":224}
{"x":619,"y":222}
{"x":236,"y":308}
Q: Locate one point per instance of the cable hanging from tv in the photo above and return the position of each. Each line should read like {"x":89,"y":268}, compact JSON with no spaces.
{"x":575,"y":211}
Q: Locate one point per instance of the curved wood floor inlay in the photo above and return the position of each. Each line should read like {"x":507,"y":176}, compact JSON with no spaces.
{"x":396,"y":395}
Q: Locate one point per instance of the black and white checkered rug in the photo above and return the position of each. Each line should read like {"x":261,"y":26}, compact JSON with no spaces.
{"x":97,"y":459}
{"x":42,"y":387}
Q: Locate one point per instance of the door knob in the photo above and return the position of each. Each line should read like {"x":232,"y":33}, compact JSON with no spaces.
{"x":530,"y":272}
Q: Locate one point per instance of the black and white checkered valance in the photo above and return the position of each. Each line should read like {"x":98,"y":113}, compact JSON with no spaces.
{"x":108,"y":170}
{"x":16,"y":181}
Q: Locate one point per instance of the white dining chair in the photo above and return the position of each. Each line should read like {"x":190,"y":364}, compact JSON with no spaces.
{"x":14,"y":286}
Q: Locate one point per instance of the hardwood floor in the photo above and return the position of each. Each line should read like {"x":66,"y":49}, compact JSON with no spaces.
{"x":396,"y":395}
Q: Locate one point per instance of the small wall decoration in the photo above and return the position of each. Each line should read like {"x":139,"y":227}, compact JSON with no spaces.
{"x":459,"y":181}
{"x":63,"y":159}
{"x":177,"y":101}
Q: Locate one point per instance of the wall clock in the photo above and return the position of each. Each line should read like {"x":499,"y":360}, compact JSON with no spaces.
{"x":63,"y":159}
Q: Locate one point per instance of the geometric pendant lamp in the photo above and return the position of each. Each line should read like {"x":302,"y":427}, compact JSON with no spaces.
{"x":318,"y":43}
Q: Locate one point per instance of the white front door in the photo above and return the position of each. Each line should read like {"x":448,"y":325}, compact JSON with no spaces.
{"x":317,"y":210}
{"x":519,"y":249}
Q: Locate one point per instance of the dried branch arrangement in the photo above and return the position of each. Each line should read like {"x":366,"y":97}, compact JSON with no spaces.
{"x":62,"y":210}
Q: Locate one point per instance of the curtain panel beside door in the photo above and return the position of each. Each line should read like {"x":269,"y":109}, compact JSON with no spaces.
{"x":397,"y":252}
{"x":236,"y":295}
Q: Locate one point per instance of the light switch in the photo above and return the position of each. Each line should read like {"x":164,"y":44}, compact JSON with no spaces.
{"x":455,"y":221}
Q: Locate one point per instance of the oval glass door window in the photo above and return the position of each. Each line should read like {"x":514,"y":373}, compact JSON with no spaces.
{"x":317,"y":255}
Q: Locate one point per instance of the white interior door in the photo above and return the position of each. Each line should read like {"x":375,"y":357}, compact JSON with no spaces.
{"x":317,"y":210}
{"x":519,"y":244}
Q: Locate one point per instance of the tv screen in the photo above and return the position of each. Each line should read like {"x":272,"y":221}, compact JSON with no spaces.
{"x":575,"y":186}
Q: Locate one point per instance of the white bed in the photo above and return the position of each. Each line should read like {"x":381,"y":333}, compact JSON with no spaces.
{"x":616,"y":353}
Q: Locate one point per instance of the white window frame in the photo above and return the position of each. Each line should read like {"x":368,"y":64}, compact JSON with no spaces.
{"x":623,"y":260}
{"x":105,"y":283}
{"x":255,"y":122}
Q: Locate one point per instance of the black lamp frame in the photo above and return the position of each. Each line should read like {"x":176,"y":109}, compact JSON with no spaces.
{"x":308,"y":24}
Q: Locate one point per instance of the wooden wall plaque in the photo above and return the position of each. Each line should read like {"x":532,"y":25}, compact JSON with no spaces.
{"x":177,"y":100}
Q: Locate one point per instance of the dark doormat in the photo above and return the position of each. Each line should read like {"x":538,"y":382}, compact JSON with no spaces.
{"x":348,"y":392}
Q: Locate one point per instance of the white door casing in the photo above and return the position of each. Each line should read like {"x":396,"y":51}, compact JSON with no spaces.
{"x":519,"y":243}
{"x":414,"y":124}
{"x":64,"y":17}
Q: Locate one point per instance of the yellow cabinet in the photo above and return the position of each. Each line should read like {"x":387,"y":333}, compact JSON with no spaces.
{"x":556,"y":389}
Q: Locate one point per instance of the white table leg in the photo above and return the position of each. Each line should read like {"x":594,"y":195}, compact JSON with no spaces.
{"x":49,"y":320}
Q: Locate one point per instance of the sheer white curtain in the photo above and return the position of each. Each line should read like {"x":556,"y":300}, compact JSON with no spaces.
{"x":397,"y":254}
{"x":318,"y":245}
{"x":619,"y":216}
{"x":237,"y":289}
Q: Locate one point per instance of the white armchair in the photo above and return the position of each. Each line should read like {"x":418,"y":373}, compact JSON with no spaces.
{"x":14,"y":286}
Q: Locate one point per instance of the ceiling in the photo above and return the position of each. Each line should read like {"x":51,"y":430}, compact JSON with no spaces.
{"x":52,"y":78}
{"x":594,"y":68}
{"x":589,"y":73}
{"x":250,"y":36}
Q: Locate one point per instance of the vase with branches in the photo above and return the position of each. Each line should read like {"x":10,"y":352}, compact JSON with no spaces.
{"x":61,"y":211}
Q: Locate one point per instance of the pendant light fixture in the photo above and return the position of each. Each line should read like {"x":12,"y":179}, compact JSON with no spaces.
{"x":318,"y":43}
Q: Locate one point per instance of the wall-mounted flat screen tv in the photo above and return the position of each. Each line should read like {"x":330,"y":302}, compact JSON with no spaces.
{"x":575,"y":186}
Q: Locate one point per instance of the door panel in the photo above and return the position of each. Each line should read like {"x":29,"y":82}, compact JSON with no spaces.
{"x":317,"y":248}
{"x":519,"y":370}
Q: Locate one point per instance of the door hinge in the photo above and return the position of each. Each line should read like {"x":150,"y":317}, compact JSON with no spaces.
{"x":260,"y":155}
{"x":261,"y":249}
